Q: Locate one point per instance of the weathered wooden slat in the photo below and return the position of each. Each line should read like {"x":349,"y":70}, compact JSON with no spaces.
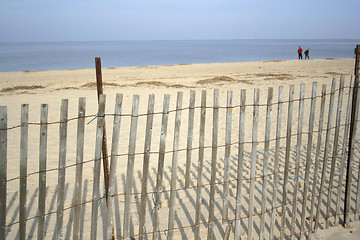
{"x":174,"y":165}
{"x":308,"y":157}
{"x":61,"y":168}
{"x":227,"y":156}
{"x":3,"y":169}
{"x":130,"y":164}
{"x":79,"y":166}
{"x":23,"y":169}
{"x":343,"y":150}
{"x":113,"y":165}
{"x":326,"y":153}
{"x":254,"y":143}
{"x":266,"y":161}
{"x":240,"y":166}
{"x":316,"y":160}
{"x":297,"y":160}
{"x":276,"y":161}
{"x":287,"y":162}
{"x":199,"y":185}
{"x":351,"y":158}
{"x":210,"y":234}
{"x":160,"y":171}
{"x":145,"y":174}
{"x":97,"y":165}
{"x":42,"y":170}
{"x":335,"y":149}
{"x":190,"y":138}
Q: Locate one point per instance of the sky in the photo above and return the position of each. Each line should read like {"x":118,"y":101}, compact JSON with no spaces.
{"x":112,"y":20}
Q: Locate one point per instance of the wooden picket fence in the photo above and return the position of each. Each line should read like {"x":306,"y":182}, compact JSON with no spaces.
{"x":223,"y":178}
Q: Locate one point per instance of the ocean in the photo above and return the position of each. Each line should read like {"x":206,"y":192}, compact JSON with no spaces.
{"x":35,"y":56}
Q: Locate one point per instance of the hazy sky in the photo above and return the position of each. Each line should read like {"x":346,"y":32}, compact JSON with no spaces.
{"x":78,"y":20}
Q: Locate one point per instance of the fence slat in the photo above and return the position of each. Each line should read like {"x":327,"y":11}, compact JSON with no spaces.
{"x":113,"y":164}
{"x":23,"y":169}
{"x":213,"y":164}
{"x":130,"y":164}
{"x":42,"y":169}
{"x":227,"y":155}
{"x":266,"y":161}
{"x":287,"y":161}
{"x":326,"y":153}
{"x":97,"y":165}
{"x":240,"y":165}
{"x":316,"y":159}
{"x":335,"y":149}
{"x":3,"y":169}
{"x":343,"y":150}
{"x":351,"y":159}
{"x":61,"y":168}
{"x":190,"y":138}
{"x":160,"y":171}
{"x":145,"y":174}
{"x":199,"y":185}
{"x":79,"y":166}
{"x":253,"y":161}
{"x":308,"y":157}
{"x":174,"y":165}
{"x":297,"y":159}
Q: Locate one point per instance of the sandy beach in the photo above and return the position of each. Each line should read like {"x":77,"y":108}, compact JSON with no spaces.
{"x":38,"y":87}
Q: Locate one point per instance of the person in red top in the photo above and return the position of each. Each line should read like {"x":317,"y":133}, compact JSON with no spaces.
{"x":300,"y":52}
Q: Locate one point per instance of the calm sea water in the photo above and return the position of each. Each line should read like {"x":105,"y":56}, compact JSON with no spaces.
{"x":32,"y":56}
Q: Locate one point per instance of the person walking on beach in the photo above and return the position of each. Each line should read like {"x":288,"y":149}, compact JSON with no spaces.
{"x":300,"y":52}
{"x":307,"y":53}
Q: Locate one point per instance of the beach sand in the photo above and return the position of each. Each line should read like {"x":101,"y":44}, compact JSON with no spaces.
{"x":37,"y":87}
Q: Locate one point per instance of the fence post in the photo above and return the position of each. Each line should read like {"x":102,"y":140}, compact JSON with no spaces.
{"x":100,"y":90}
{"x":213,"y":165}
{"x":160,"y":171}
{"x":61,"y":168}
{"x":240,"y":166}
{"x":190,"y":137}
{"x":23,"y":169}
{"x":254,"y":144}
{"x":200,"y":166}
{"x":79,"y":166}
{"x":3,"y":169}
{"x":353,"y":121}
{"x":146,"y":162}
{"x":42,"y":170}
{"x":174,"y":166}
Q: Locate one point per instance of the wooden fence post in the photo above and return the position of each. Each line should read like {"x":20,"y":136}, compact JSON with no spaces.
{"x":146,"y":163}
{"x":160,"y":171}
{"x":266,"y":161}
{"x":79,"y":166}
{"x":113,"y":164}
{"x":190,"y":138}
{"x":61,"y":168}
{"x":213,"y":165}
{"x":42,"y":170}
{"x":23,"y":169}
{"x":287,"y":162}
{"x":227,"y":156}
{"x":254,"y":143}
{"x":3,"y":169}
{"x":97,"y":165}
{"x":100,"y":90}
{"x":240,"y":166}
{"x":353,"y":121}
{"x":130,"y":164}
{"x":200,"y":166}
{"x":276,"y":162}
{"x":174,"y":166}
